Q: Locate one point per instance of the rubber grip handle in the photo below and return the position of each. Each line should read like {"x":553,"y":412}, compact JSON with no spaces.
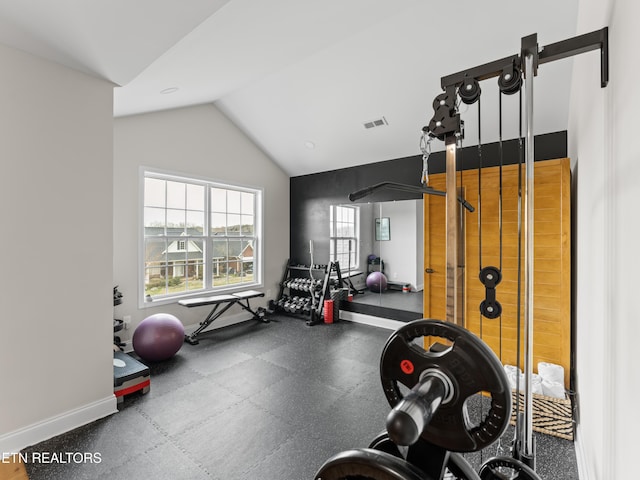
{"x":408,"y":418}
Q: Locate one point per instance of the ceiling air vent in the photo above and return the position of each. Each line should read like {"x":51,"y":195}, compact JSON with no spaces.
{"x":379,"y":122}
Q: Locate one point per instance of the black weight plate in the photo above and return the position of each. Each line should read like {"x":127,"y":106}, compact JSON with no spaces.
{"x":368,"y":464}
{"x":383,"y":443}
{"x":457,"y":464}
{"x":471,"y":366}
{"x":460,"y":468}
{"x":511,"y":468}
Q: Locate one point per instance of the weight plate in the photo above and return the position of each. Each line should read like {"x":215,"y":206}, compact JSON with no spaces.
{"x":472,"y":368}
{"x":500,"y":468}
{"x":368,"y":464}
{"x":383,"y":443}
{"x":457,"y":465}
{"x":460,"y":468}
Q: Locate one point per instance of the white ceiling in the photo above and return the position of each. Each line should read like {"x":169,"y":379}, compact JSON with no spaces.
{"x":288,"y":72}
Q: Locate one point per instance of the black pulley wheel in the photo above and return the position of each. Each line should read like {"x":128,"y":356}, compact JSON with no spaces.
{"x":444,"y":100}
{"x":491,"y":310}
{"x":490,"y":277}
{"x":472,"y":368}
{"x":510,"y":81}
{"x":368,"y":464}
{"x":469,"y":91}
{"x":500,"y":468}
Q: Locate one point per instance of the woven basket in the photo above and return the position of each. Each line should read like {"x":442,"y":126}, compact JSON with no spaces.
{"x":551,"y":416}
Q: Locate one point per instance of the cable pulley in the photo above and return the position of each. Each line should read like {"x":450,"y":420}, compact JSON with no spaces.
{"x":510,"y":80}
{"x":490,"y":277}
{"x":445,"y":118}
{"x":469,"y":91}
{"x":490,"y":307}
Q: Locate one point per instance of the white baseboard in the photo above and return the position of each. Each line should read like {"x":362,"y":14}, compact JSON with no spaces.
{"x":15,"y":441}
{"x":370,"y":320}
{"x":583,"y":468}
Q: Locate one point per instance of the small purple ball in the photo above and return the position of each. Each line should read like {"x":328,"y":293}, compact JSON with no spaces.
{"x":377,"y":282}
{"x":158,"y":337}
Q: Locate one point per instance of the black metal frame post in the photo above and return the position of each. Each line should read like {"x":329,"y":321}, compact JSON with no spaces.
{"x":598,"y":39}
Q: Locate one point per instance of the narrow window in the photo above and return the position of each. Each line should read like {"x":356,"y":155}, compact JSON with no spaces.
{"x":344,"y":236}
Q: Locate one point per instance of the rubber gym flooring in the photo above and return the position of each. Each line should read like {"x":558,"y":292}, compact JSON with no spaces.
{"x":254,"y":401}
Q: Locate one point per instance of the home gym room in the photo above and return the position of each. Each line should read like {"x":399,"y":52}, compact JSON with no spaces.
{"x":288,"y":109}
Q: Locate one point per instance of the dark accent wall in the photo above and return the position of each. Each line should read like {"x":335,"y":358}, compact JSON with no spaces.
{"x":311,"y":195}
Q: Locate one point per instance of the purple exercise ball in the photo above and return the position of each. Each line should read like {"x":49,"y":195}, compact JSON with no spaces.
{"x":158,"y":337}
{"x":377,"y":282}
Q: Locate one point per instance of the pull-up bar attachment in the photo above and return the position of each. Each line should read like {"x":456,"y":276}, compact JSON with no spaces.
{"x":401,"y":187}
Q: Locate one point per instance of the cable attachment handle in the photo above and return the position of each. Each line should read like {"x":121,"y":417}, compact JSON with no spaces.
{"x":425,"y":148}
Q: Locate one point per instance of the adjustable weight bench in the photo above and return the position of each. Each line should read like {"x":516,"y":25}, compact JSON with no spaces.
{"x":222,"y":303}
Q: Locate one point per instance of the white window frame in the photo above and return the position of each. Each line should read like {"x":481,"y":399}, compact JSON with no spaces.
{"x":333,"y":238}
{"x":207,"y":239}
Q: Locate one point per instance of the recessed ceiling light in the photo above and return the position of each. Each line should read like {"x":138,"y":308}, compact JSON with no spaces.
{"x":169,"y":90}
{"x":310,"y":145}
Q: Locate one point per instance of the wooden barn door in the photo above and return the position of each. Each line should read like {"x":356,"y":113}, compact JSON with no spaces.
{"x":552,"y":260}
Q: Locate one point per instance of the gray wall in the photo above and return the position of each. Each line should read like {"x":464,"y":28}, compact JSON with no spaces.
{"x":196,"y":141}
{"x":56,"y":189}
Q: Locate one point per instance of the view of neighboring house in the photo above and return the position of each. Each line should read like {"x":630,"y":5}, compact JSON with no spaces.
{"x":181,"y":261}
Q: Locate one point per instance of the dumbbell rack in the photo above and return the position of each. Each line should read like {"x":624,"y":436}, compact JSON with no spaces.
{"x":299,"y":286}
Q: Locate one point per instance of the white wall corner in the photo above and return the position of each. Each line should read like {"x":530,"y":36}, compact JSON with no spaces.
{"x":15,"y":441}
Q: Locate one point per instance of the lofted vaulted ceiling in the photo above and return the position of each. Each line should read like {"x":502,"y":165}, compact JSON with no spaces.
{"x":299,"y":73}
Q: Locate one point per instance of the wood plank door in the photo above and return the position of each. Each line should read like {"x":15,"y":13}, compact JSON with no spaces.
{"x":552,"y":260}
{"x":435,"y":258}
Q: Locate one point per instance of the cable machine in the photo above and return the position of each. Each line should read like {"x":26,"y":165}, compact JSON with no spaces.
{"x":446,"y":125}
{"x":427,"y":389}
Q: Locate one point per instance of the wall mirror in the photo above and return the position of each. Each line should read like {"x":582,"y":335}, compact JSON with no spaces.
{"x":381,"y":238}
